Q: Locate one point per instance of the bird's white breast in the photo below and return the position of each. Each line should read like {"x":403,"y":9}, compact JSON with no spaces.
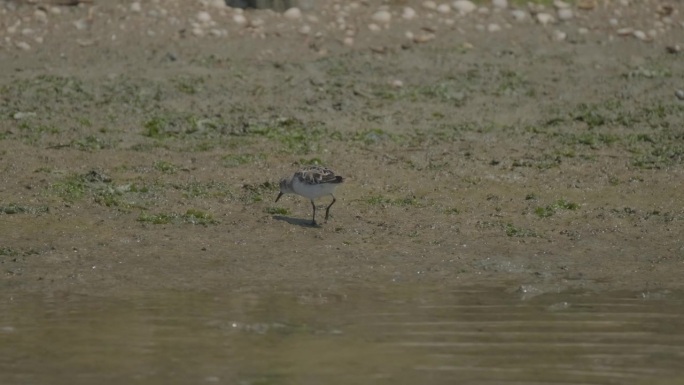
{"x":313,"y":191}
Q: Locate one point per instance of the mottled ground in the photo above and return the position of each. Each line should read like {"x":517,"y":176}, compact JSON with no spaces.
{"x":139,"y":148}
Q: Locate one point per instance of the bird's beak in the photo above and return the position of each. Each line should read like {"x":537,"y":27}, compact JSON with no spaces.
{"x":279,"y":195}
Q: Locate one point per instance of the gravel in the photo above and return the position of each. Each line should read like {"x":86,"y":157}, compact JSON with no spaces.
{"x":28,"y":24}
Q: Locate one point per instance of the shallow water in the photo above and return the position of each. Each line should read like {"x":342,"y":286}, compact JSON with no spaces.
{"x":397,"y":335}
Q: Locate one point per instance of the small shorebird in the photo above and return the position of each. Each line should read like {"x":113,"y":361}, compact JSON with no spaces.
{"x":312,"y":182}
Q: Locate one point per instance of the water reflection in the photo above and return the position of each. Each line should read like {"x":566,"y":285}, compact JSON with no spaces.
{"x":397,"y":335}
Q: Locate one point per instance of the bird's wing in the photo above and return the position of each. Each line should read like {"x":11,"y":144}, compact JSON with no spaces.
{"x":317,"y":175}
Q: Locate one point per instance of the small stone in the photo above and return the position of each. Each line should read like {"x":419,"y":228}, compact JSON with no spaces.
{"x":348,"y":41}
{"x":203,"y":17}
{"x":216,"y":3}
{"x":81,"y":24}
{"x":40,"y":15}
{"x":443,"y":8}
{"x":374,"y":27}
{"x":239,"y":19}
{"x":559,"y":35}
{"x":586,"y":4}
{"x":673,"y":49}
{"x":625,"y":31}
{"x":218,"y":32}
{"x":641,"y":35}
{"x":85,"y":42}
{"x":305,"y":29}
{"x":559,"y":4}
{"x":613,"y":21}
{"x":429,"y":5}
{"x":519,"y":14}
{"x":501,"y":4}
{"x":135,"y":7}
{"x":464,"y":6}
{"x":408,"y":13}
{"x":22,"y":45}
{"x":382,"y":17}
{"x":679,"y":94}
{"x":397,"y":83}
{"x":545,"y":18}
{"x":23,"y":115}
{"x":256,"y":22}
{"x":12,"y":29}
{"x":565,"y":14}
{"x":293,"y":14}
{"x":493,"y":27}
{"x":423,"y":37}
{"x":582,"y":31}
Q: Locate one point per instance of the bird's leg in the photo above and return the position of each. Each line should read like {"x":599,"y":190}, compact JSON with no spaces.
{"x":313,"y":219}
{"x":327,"y":209}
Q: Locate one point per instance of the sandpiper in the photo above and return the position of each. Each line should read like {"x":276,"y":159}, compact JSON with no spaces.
{"x":312,"y":182}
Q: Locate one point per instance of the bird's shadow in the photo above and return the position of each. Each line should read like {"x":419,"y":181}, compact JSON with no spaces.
{"x":296,"y":221}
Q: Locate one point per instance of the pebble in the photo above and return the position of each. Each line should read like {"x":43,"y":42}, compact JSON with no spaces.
{"x":545,"y":18}
{"x":493,"y":27}
{"x":559,"y":35}
{"x":218,"y":32}
{"x":464,"y":6}
{"x":501,"y":4}
{"x":293,"y":14}
{"x":305,"y":29}
{"x":374,"y":27}
{"x":382,"y":17}
{"x":215,"y":3}
{"x":135,"y":7}
{"x":81,"y":24}
{"x":429,"y":5}
{"x":641,"y":35}
{"x":519,"y":14}
{"x":408,"y":13}
{"x":22,"y":45}
{"x":239,"y":19}
{"x":559,"y":4}
{"x":679,"y":94}
{"x":424,"y":37}
{"x":203,"y":17}
{"x":348,"y":41}
{"x":40,"y":15}
{"x":23,"y":115}
{"x":673,"y":49}
{"x":586,"y":4}
{"x":565,"y":14}
{"x":443,"y":8}
{"x":13,"y":28}
{"x":256,"y":22}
